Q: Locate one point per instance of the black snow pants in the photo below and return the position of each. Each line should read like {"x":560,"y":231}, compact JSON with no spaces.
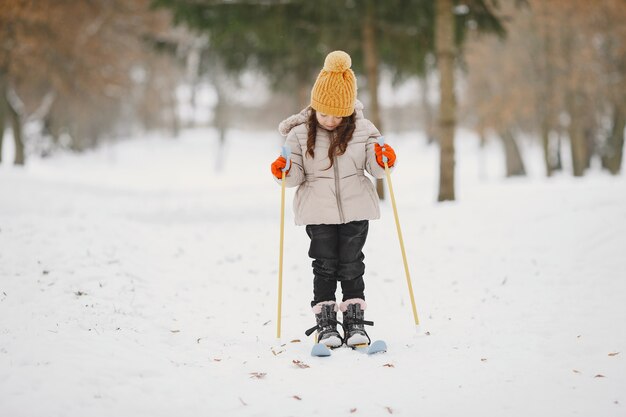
{"x":336,"y":250}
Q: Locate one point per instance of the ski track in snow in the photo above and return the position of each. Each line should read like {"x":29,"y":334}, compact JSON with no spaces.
{"x":137,"y":281}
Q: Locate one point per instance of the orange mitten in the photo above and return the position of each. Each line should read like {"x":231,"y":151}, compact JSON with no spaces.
{"x":388,"y":152}
{"x":277,"y":167}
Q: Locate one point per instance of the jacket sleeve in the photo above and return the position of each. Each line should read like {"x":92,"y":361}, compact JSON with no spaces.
{"x":371,"y":165}
{"x":296,"y":174}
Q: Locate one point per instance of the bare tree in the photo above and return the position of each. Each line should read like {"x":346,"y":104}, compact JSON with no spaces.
{"x":71,"y":64}
{"x":445,"y":51}
{"x":560,"y":73}
{"x":370,"y":55}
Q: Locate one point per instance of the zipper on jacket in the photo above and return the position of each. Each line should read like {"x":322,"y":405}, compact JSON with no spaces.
{"x":337,"y":192}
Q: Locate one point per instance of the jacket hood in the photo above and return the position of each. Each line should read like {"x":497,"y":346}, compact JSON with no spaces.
{"x":300,"y":118}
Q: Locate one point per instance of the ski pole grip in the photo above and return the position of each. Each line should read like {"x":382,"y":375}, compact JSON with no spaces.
{"x":381,"y":142}
{"x":286,"y":153}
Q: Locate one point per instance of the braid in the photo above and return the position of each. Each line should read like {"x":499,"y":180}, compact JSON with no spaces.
{"x":339,"y":138}
{"x":311,"y":125}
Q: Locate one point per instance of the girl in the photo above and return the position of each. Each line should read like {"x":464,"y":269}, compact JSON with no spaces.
{"x":332,"y":145}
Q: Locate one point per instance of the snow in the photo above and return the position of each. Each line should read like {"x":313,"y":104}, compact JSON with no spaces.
{"x":137,"y":281}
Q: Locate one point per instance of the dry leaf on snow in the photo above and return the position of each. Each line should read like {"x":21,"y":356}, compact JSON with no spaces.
{"x":300,"y":364}
{"x":277,"y":353}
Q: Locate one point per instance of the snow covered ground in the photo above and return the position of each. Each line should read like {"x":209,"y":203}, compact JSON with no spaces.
{"x":137,"y":281}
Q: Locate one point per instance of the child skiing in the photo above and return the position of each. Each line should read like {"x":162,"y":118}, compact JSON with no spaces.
{"x":332,"y":146}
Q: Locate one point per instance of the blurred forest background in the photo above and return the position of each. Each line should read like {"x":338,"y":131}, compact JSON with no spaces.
{"x":77,"y":73}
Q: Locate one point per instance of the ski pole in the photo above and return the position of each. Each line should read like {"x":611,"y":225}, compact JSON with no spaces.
{"x":286,"y":153}
{"x":381,"y":142}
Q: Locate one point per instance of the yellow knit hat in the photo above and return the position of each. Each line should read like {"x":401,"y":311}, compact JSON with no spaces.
{"x":334,"y":92}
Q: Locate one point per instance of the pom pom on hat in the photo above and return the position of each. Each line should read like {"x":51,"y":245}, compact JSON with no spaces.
{"x":334,"y":92}
{"x":337,"y":61}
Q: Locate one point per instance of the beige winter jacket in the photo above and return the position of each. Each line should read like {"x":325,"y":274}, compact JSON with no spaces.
{"x":342,"y":193}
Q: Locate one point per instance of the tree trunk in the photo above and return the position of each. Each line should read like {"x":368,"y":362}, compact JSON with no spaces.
{"x":482,"y":165}
{"x":590,"y":145}
{"x":545,"y":142}
{"x":3,"y":111}
{"x":444,"y":41}
{"x":6,"y":46}
{"x":545,"y":106}
{"x":76,"y":137}
{"x":558,"y":159}
{"x":193,"y":63}
{"x":612,"y":160}
{"x":16,"y":125}
{"x":513,"y":157}
{"x":304,"y":96}
{"x":221,"y":122}
{"x":578,"y":143}
{"x":173,"y":112}
{"x":370,"y":57}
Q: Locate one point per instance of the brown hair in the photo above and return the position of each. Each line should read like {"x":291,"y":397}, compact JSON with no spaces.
{"x":339,"y":137}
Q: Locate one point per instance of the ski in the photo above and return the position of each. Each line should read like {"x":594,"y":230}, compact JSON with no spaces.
{"x":320,"y":350}
{"x":378,"y":346}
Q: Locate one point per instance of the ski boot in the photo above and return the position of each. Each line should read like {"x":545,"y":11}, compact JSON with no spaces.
{"x":354,"y":324}
{"x":326,"y":317}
